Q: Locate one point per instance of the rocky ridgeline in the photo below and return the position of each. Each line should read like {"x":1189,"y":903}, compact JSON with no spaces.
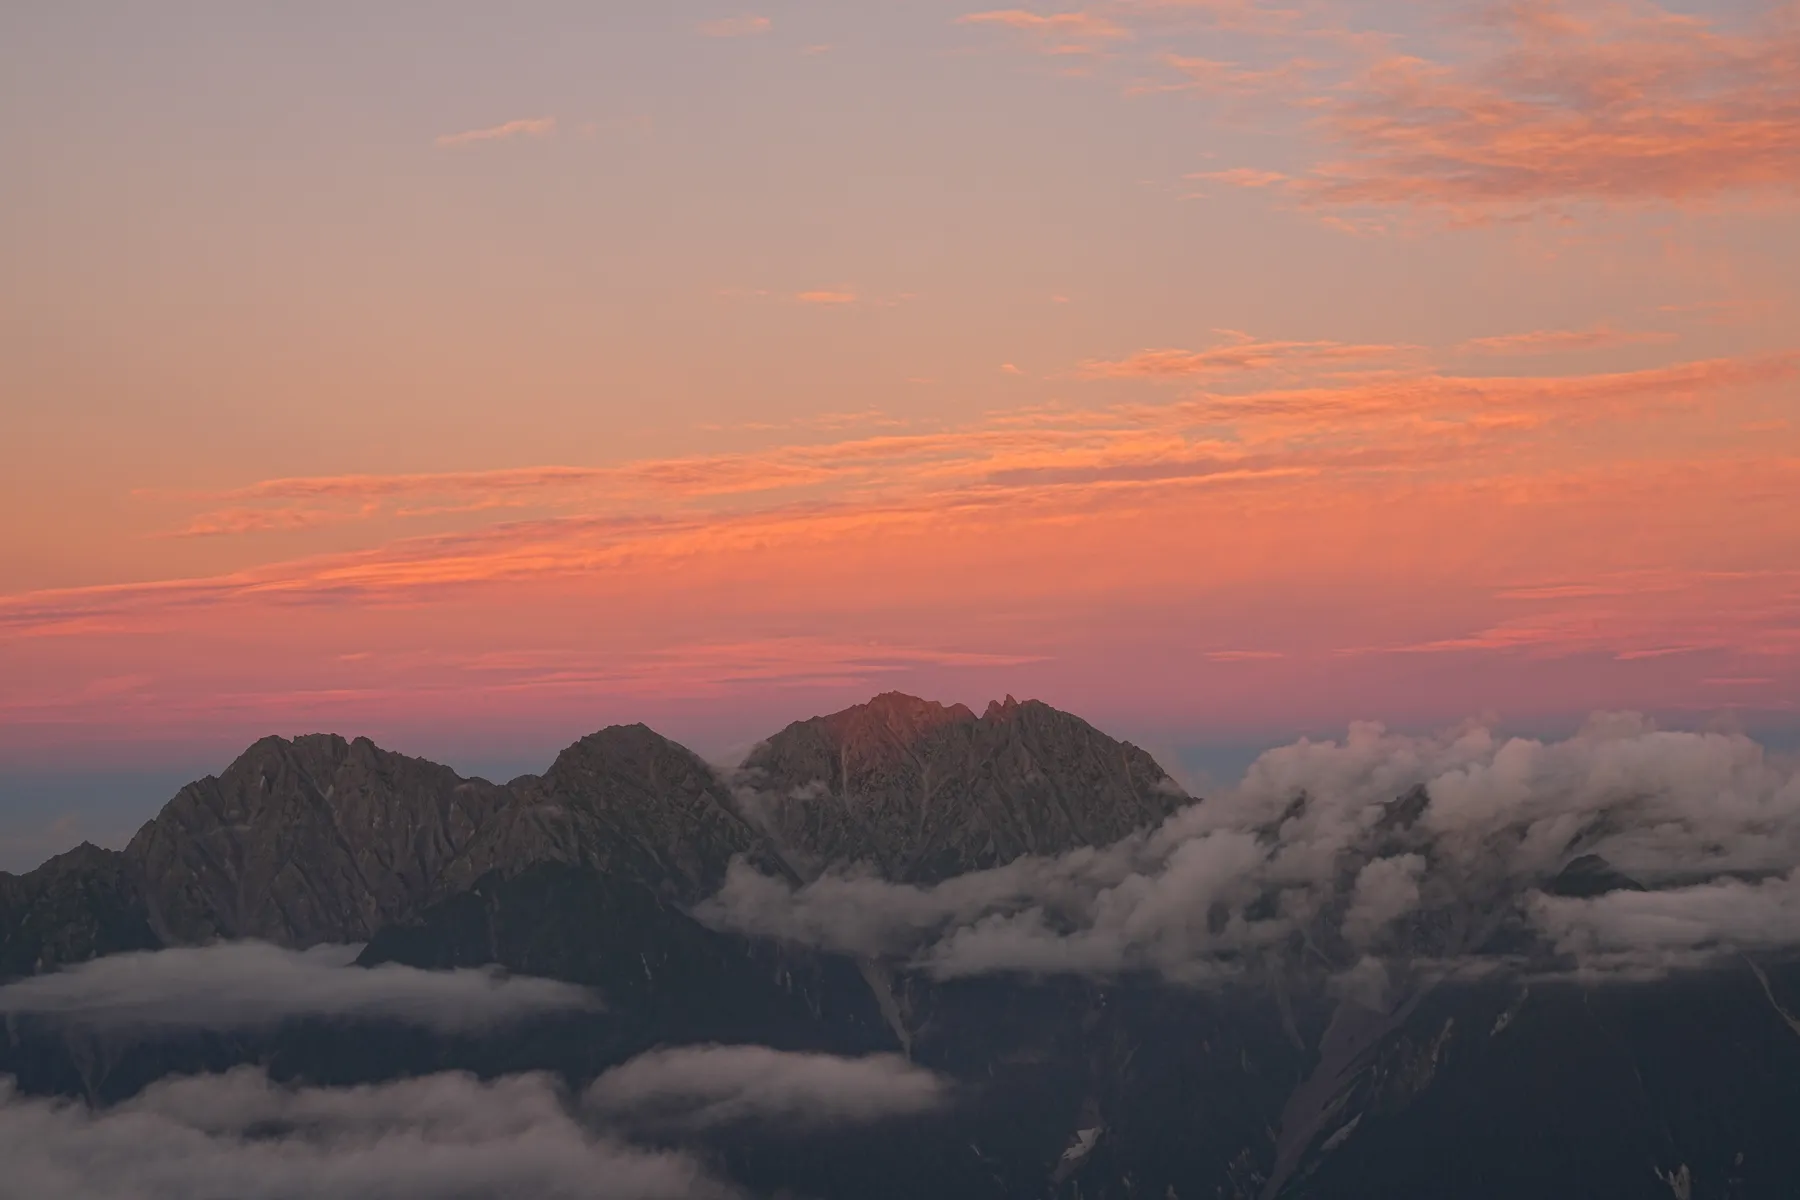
{"x":320,"y":839}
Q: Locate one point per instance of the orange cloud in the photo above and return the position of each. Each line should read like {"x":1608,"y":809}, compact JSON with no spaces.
{"x":1264,"y":443}
{"x":1570,"y":102}
{"x":1534,"y":105}
{"x":1231,"y":80}
{"x":1639,"y":616}
{"x":1457,"y":407}
{"x":1243,"y":353}
{"x":1557,"y":341}
{"x":1063,"y":33}
{"x":828,"y":298}
{"x":583,"y":619}
{"x":229,"y":521}
{"x":535,"y":127}
{"x":1392,"y":422}
{"x":1244,"y":177}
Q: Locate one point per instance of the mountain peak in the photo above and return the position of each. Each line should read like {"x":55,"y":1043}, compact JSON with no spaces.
{"x":925,"y":790}
{"x":1589,"y":876}
{"x":884,"y":730}
{"x":300,"y":841}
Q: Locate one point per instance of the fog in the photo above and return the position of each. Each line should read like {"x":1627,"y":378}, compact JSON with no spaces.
{"x":701,"y":1086}
{"x":240,"y":1135}
{"x":250,"y":985}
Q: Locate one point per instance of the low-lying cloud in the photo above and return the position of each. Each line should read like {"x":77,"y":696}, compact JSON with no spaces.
{"x":448,"y":1137}
{"x":702,"y":1086}
{"x":1378,"y":847}
{"x":252,"y":985}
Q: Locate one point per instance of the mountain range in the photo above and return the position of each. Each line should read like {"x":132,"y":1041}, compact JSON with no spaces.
{"x":804,"y":901}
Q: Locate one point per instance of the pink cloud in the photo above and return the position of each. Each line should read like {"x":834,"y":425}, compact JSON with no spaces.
{"x":1061,"y":34}
{"x":531,"y":127}
{"x":736,"y":27}
{"x":1242,"y":353}
{"x":1557,"y":341}
{"x":1244,"y":177}
{"x":1570,"y":102}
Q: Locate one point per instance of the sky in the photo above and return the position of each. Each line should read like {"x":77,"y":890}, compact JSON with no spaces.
{"x":475,"y":376}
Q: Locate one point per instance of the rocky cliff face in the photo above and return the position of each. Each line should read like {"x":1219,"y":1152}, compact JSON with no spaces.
{"x":325,"y":840}
{"x":309,"y":841}
{"x":77,"y":906}
{"x":925,"y":792}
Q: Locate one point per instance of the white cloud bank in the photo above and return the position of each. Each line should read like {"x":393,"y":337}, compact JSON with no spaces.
{"x":702,"y":1086}
{"x":1326,"y":852}
{"x":447,"y":1137}
{"x":251,"y":985}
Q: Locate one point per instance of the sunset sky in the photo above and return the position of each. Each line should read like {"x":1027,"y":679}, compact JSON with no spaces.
{"x":473,"y":376}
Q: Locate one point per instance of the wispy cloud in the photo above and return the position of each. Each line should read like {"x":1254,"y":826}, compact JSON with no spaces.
{"x":1243,"y":177}
{"x":1572,"y":102}
{"x":227,"y":522}
{"x":242,"y":1134}
{"x":1064,"y":33}
{"x":249,"y":985}
{"x":1530,"y":106}
{"x":1242,"y":352}
{"x":828,"y":297}
{"x":529,"y":127}
{"x":1558,"y":341}
{"x":736,"y":27}
{"x":1385,"y":425}
{"x":1233,"y":81}
{"x":703,"y":1086}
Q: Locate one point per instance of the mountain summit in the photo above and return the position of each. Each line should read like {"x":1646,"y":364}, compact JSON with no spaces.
{"x":924,"y":792}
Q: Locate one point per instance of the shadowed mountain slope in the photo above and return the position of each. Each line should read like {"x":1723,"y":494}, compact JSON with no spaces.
{"x":77,"y":906}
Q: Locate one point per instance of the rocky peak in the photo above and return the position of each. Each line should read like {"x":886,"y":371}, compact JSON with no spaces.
{"x":81,"y":904}
{"x":1000,"y":710}
{"x":887,"y":728}
{"x":1589,"y":876}
{"x":305,"y":841}
{"x":950,"y":792}
{"x":625,"y":799}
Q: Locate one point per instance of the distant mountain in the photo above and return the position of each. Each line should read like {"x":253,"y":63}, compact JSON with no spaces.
{"x":925,"y":792}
